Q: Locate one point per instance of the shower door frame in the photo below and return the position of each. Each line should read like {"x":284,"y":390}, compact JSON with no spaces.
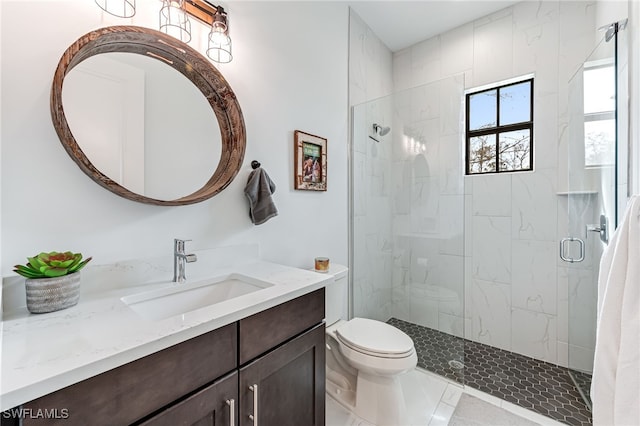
{"x":592,"y":237}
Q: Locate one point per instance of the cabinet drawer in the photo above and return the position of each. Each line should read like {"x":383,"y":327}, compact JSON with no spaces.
{"x":267,"y":329}
{"x":135,"y":390}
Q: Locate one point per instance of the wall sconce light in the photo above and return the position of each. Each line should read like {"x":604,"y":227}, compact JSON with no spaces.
{"x":219,"y":43}
{"x":174,"y":21}
{"x":119,"y":8}
{"x":219,"y":47}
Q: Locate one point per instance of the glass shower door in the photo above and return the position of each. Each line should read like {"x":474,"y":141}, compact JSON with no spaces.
{"x":407,"y":219}
{"x":592,"y":200}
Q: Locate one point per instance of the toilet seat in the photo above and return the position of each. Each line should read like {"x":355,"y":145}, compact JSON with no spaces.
{"x":375,"y":338}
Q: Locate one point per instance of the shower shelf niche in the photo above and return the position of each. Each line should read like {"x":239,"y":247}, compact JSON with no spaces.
{"x":426,"y":235}
{"x":585,"y":193}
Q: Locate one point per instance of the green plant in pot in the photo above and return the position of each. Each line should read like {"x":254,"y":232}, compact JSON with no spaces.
{"x":52,"y":280}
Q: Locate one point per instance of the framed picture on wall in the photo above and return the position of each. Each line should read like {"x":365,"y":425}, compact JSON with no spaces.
{"x":310,"y":156}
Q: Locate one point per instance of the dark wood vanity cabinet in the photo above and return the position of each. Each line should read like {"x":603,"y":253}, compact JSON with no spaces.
{"x":135,"y":390}
{"x":286,"y":386}
{"x":273,"y":361}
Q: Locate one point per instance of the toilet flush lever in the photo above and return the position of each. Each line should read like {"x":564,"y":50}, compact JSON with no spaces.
{"x":602,"y":229}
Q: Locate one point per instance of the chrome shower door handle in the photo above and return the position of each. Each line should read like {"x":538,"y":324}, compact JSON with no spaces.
{"x":562,"y":250}
{"x":254,"y":388}
{"x":232,"y":411}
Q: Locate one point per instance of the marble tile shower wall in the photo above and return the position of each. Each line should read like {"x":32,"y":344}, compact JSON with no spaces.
{"x":577,"y":283}
{"x":370,"y":67}
{"x":514,"y":286}
{"x":428,"y":206}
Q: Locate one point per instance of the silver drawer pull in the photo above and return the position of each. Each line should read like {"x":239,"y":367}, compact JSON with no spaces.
{"x":254,"y":417}
{"x":232,"y":411}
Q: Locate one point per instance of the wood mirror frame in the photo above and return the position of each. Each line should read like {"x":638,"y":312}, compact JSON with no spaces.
{"x":182,"y":58}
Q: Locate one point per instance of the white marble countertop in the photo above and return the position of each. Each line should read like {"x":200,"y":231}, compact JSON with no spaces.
{"x":42,"y":353}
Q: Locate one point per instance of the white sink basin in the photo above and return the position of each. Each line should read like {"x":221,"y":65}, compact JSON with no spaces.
{"x":182,"y":298}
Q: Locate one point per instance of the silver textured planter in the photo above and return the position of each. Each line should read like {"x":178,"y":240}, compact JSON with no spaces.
{"x":52,"y":294}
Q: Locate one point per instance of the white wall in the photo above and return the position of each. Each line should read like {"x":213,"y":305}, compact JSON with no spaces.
{"x":289,"y":72}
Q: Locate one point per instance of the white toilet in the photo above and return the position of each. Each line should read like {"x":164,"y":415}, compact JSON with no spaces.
{"x":364,"y":359}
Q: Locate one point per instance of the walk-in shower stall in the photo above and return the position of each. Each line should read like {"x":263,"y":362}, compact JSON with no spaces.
{"x":493,"y":276}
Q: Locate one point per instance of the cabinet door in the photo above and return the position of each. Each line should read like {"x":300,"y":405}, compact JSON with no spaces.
{"x":215,"y":405}
{"x":286,"y":386}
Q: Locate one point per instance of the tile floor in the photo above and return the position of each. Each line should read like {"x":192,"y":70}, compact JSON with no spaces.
{"x":583,"y":382}
{"x":470,"y":410}
{"x":529,"y":383}
{"x":432,"y":401}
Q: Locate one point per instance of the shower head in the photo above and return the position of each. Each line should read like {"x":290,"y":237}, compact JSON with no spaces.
{"x":379,"y":130}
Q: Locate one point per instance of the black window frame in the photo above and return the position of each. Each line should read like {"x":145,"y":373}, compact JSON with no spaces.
{"x":498,"y":129}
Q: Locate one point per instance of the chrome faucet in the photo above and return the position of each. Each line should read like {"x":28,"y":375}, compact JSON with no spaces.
{"x":180,"y":260}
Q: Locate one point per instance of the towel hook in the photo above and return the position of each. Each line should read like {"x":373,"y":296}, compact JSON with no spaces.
{"x":255,"y":164}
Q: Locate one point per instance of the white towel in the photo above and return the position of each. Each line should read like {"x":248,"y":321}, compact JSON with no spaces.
{"x":615,"y":389}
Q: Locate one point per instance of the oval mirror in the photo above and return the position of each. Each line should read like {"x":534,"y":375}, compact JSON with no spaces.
{"x":147,"y":117}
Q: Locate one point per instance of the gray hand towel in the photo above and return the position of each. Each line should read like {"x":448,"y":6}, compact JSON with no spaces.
{"x":258,"y":190}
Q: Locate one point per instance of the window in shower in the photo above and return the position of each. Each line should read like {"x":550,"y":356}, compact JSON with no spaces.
{"x":499,"y":129}
{"x":599,"y":114}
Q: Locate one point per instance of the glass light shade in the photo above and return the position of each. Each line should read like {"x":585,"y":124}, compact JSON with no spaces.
{"x":174,"y":21}
{"x":219,"y":49}
{"x":220,"y":23}
{"x":119,"y":8}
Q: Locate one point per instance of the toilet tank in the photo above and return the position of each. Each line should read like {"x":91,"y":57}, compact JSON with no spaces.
{"x":337,"y":295}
